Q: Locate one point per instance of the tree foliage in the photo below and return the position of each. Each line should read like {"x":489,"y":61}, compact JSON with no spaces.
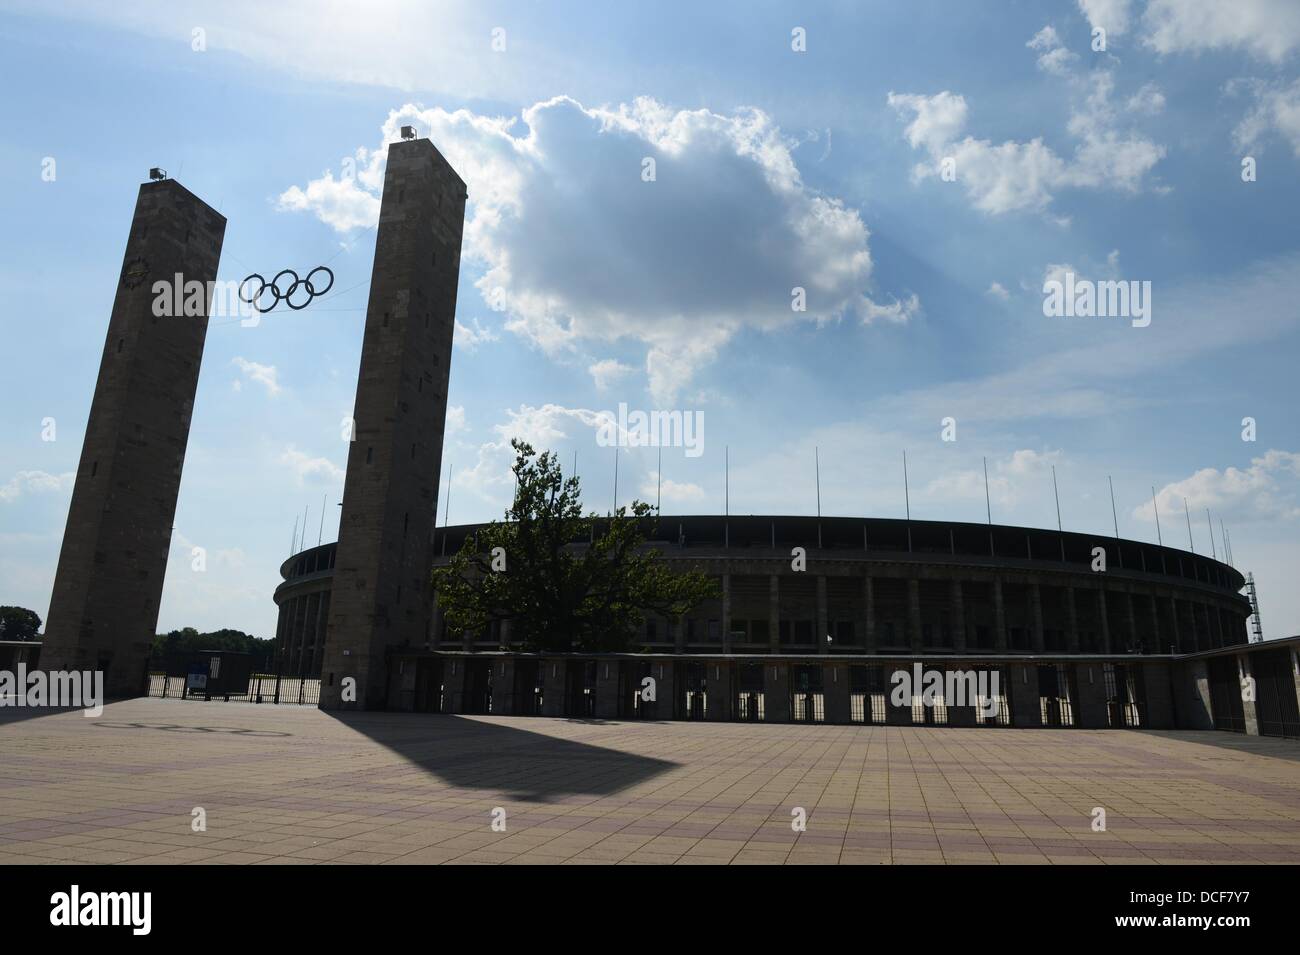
{"x":19,"y":623}
{"x":562,"y":580}
{"x":188,"y":639}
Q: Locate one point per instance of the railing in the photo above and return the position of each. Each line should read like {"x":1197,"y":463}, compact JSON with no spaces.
{"x":866,"y":707}
{"x":807,"y":707}
{"x":262,"y":688}
{"x":749,"y":707}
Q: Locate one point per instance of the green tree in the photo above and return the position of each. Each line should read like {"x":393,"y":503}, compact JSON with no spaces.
{"x":188,"y":640}
{"x":564,"y":581}
{"x":19,"y":623}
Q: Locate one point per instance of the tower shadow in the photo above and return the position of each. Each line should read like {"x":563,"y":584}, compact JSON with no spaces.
{"x":482,"y":754}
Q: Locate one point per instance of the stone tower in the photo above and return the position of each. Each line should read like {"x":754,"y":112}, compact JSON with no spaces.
{"x":381,"y":591}
{"x":109,"y":581}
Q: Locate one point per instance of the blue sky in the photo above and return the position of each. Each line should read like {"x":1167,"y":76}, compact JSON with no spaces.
{"x":774,"y":168}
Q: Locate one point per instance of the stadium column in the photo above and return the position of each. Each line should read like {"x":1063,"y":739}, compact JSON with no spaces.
{"x":1175,"y":630}
{"x":1155,"y":643}
{"x":1036,"y":612}
{"x":869,"y":611}
{"x":381,"y":587}
{"x":1072,"y":620}
{"x":774,"y":613}
{"x":776,"y":692}
{"x":1104,"y":618}
{"x":109,"y":581}
{"x":607,"y":689}
{"x":999,"y":617}
{"x":823,"y":624}
{"x":1130,"y":620}
{"x":726,"y":613}
{"x":1025,"y":707}
{"x":835,"y":680}
{"x":914,"y":614}
{"x":664,"y":708}
{"x":958,"y":617}
{"x":718,"y":677}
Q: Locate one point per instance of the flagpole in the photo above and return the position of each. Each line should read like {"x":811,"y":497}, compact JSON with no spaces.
{"x":1057,"y":495}
{"x":907,"y":502}
{"x":1155,"y":506}
{"x":817,"y":470}
{"x":659,"y":479}
{"x":988,"y":504}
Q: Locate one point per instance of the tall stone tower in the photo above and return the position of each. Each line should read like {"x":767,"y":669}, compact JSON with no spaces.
{"x":109,"y":581}
{"x":381,"y":591}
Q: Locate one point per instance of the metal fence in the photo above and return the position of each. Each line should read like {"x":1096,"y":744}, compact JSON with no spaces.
{"x":262,"y":688}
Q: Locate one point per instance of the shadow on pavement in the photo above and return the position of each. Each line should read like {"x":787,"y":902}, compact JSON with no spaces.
{"x":1274,"y":746}
{"x":478,"y":754}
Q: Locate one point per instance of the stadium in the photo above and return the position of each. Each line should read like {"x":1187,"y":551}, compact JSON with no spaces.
{"x":1157,"y":640}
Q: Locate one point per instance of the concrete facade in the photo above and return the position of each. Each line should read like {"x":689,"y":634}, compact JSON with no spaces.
{"x":381,"y":588}
{"x":109,"y":581}
{"x":1089,"y":693}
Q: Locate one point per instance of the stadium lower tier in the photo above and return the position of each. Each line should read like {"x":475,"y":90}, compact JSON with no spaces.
{"x":1250,"y":689}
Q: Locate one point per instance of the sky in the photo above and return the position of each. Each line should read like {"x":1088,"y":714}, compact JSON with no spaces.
{"x":821,"y":233}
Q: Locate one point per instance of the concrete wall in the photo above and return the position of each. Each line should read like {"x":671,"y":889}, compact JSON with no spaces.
{"x":1160,"y":696}
{"x":835,"y":684}
{"x":1177,"y":694}
{"x":1025,"y":710}
{"x":1090,"y":707}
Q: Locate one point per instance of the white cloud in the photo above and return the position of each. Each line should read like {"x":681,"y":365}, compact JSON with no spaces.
{"x":1005,"y":478}
{"x":540,"y":426}
{"x":262,"y":374}
{"x":1267,"y":29}
{"x":1269,"y":489}
{"x":997,"y":291}
{"x":714,"y":244}
{"x":671,"y":492}
{"x":608,"y":371}
{"x":1275,"y":111}
{"x":1025,"y":176}
{"x":1110,"y":15}
{"x":35,"y":482}
{"x":896,"y":311}
{"x":455,"y":420}
{"x":1148,"y":100}
{"x":308,"y":469}
{"x":336,"y":202}
{"x":469,"y":338}
{"x":1055,"y":57}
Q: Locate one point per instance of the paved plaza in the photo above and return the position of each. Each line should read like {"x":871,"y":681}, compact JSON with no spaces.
{"x":297,"y":785}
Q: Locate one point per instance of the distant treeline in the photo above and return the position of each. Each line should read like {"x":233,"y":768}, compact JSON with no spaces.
{"x":177,"y":642}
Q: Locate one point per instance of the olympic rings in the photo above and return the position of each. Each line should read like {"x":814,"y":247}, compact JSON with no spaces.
{"x":286,"y":294}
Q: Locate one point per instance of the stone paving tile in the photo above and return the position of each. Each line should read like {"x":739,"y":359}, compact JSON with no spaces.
{"x":293,"y":786}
